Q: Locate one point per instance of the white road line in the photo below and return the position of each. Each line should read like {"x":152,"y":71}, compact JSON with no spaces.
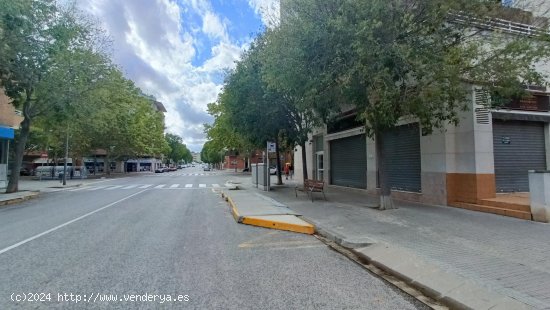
{"x":11,"y":247}
{"x":146,"y":185}
{"x":202,"y":185}
{"x":113,"y":187}
{"x":215,"y":185}
{"x":77,"y":189}
{"x":130,"y":186}
{"x":160,"y":186}
{"x":188,"y":185}
{"x":196,"y":174}
{"x":95,"y":188}
{"x":174,"y":186}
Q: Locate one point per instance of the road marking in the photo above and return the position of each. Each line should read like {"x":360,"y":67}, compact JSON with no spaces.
{"x":216,"y":185}
{"x":146,"y":185}
{"x":202,"y":185}
{"x":174,"y":186}
{"x":95,"y":188}
{"x":188,"y":185}
{"x":11,"y":247}
{"x":160,"y":186}
{"x":113,"y":187}
{"x":130,"y":186}
{"x":77,"y":189}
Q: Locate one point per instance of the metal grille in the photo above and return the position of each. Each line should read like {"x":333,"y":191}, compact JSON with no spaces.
{"x":482,"y":116}
{"x":348,"y":162}
{"x":401,"y":150}
{"x":518,"y":147}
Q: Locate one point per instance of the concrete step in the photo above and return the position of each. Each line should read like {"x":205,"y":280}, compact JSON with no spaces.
{"x":505,"y":205}
{"x":495,"y":210}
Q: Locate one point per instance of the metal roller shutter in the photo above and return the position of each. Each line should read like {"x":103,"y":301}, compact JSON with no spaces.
{"x":348,"y":162}
{"x":402,"y":152}
{"x":518,"y":147}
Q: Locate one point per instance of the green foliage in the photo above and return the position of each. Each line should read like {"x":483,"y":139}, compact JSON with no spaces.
{"x":211,"y":154}
{"x":178,"y":150}
{"x":396,"y":58}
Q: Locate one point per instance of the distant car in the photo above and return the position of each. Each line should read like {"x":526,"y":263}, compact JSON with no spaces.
{"x":206,"y":168}
{"x":272,"y":170}
{"x":159,"y":170}
{"x":24,"y":171}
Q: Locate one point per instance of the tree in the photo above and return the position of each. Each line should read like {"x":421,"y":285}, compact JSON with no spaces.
{"x":395,"y":58}
{"x":178,"y":150}
{"x":39,"y":40}
{"x":211,"y":154}
{"x":122,"y":121}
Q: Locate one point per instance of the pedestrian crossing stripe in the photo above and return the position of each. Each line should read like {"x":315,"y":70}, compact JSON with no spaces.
{"x":144,"y":186}
{"x":113,"y":187}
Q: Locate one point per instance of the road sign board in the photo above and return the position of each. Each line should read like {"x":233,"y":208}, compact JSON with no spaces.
{"x":271,"y":147}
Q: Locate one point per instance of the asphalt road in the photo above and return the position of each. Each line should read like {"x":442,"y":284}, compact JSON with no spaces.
{"x":148,"y":237}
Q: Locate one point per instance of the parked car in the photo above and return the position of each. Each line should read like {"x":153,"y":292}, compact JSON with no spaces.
{"x":24,"y":171}
{"x":172,"y":169}
{"x":206,"y":168}
{"x":159,"y":170}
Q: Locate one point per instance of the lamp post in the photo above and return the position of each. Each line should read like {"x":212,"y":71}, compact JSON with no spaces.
{"x":66,"y":157}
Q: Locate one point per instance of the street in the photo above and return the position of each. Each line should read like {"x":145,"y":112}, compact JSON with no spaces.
{"x":169,"y":241}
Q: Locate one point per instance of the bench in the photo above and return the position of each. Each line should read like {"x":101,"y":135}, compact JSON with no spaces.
{"x":311,"y":186}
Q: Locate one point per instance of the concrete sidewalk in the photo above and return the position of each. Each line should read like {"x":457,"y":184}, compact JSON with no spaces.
{"x":464,"y":258}
{"x":29,"y":188}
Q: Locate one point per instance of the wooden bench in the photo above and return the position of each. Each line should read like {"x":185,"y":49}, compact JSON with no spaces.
{"x":311,"y":186}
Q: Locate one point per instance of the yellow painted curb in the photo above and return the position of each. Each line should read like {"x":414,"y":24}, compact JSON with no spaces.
{"x":304,"y":229}
{"x":234,"y":210}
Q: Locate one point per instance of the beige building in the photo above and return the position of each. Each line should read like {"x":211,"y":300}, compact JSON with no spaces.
{"x":467,"y":166}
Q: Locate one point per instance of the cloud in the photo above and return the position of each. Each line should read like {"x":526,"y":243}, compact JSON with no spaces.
{"x":267,"y":9}
{"x":176,"y":51}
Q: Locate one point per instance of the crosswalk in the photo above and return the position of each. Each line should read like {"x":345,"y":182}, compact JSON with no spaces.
{"x":179,"y":174}
{"x":144,"y":186}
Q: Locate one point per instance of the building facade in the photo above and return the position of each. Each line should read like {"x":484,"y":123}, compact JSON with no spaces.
{"x":9,"y":121}
{"x":489,"y":152}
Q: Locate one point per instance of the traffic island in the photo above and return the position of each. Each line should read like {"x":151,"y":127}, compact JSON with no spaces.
{"x":258,"y":210}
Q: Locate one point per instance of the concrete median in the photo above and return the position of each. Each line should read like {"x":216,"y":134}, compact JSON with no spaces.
{"x":258,"y":210}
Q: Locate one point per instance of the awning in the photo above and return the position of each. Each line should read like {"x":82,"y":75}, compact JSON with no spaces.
{"x":522,"y":116}
{"x":49,"y":160}
{"x":6,"y":133}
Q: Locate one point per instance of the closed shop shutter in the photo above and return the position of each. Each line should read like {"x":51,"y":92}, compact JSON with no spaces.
{"x":348,"y":162}
{"x":518,"y":147}
{"x":402,"y":154}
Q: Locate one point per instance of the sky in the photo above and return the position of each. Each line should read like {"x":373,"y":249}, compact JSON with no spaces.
{"x":180,"y":50}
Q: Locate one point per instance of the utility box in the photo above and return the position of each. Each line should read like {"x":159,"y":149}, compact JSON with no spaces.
{"x":260,"y":176}
{"x":539,"y":189}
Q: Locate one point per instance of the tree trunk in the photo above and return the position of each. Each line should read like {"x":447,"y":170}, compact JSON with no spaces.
{"x":386,"y":201}
{"x":278,"y":156}
{"x":107,"y":165}
{"x":304,"y":160}
{"x":20,"y":144}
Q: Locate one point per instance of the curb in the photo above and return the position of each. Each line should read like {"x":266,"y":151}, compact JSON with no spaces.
{"x":19,"y":199}
{"x":450,"y":289}
{"x":279,"y":225}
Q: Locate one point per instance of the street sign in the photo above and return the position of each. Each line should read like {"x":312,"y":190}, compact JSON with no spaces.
{"x":271,"y":147}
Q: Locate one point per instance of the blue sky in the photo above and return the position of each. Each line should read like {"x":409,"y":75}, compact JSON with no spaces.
{"x":179,"y":50}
